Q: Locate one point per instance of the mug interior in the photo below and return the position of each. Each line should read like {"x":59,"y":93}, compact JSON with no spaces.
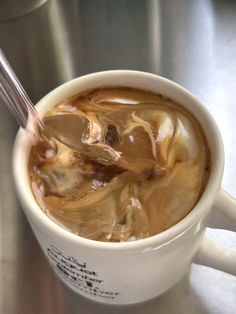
{"x":135,"y":79}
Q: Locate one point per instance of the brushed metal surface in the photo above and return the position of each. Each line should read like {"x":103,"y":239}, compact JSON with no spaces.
{"x":191,"y":42}
{"x":12,"y":9}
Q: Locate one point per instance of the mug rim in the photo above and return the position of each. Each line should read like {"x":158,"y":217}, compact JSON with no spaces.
{"x":166,"y":236}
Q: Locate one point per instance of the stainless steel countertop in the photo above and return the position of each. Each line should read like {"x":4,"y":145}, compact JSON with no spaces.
{"x":192,"y":42}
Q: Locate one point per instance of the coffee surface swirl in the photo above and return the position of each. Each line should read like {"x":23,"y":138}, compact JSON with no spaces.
{"x":124,"y":164}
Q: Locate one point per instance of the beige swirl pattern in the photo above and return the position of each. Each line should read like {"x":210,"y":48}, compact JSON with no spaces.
{"x":126,"y":164}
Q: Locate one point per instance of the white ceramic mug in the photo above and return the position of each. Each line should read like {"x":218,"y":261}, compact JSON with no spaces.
{"x":131,"y":272}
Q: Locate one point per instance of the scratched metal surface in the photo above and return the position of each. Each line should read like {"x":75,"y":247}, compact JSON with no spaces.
{"x":191,"y":42}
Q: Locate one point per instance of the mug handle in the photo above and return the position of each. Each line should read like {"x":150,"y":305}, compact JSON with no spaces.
{"x":210,"y":252}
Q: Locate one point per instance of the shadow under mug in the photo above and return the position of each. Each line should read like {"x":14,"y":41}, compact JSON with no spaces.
{"x":132,"y":272}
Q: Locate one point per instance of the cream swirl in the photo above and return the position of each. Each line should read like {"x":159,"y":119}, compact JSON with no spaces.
{"x":128,"y":164}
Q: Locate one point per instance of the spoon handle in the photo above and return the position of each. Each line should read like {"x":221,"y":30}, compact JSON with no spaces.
{"x":14,"y":95}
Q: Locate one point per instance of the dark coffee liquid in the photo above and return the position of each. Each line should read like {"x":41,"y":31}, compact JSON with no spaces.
{"x":125,"y":164}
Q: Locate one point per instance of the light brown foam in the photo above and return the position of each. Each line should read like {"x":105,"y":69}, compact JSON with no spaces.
{"x":127,"y":164}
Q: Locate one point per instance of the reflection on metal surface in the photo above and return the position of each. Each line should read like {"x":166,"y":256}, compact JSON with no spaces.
{"x":154,"y":32}
{"x":191,"y":42}
{"x":62,"y":42}
{"x":11,"y":9}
